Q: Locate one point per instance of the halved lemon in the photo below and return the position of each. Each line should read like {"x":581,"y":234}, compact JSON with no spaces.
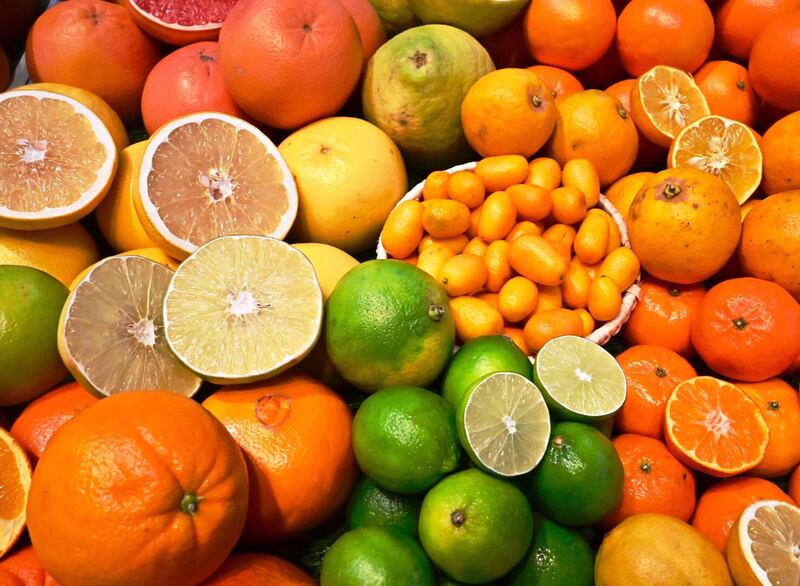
{"x":764,"y":546}
{"x":722,"y":147}
{"x":208,"y":175}
{"x":57,"y":160}
{"x":15,"y":482}
{"x":111,"y":333}
{"x":664,"y":101}
{"x":242,"y":309}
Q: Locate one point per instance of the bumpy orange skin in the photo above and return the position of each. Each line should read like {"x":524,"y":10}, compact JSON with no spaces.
{"x":258,"y":568}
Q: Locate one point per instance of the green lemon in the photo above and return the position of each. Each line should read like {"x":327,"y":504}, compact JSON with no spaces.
{"x":479,"y":357}
{"x":378,"y":557}
{"x":558,"y":556}
{"x":579,"y":481}
{"x":370,"y":505}
{"x":475,"y":527}
{"x":477,"y":17}
{"x":405,"y":439}
{"x":396,"y":15}
{"x":30,"y":306}
{"x":389,"y":323}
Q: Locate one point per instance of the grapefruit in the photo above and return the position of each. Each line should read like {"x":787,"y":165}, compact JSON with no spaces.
{"x":178,"y":22}
{"x":370,"y":27}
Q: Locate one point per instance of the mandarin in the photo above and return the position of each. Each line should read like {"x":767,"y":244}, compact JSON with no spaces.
{"x":738,"y":22}
{"x":560,"y":81}
{"x":728,"y":91}
{"x":773,"y":60}
{"x":256,"y":569}
{"x":781,"y":151}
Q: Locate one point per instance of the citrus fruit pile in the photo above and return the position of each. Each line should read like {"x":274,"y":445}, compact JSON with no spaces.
{"x":238,"y":346}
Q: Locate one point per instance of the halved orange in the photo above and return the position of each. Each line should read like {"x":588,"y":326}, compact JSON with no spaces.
{"x":57,"y":160}
{"x":714,"y":427}
{"x":208,"y":175}
{"x":664,"y":101}
{"x":15,"y":482}
{"x":722,"y":147}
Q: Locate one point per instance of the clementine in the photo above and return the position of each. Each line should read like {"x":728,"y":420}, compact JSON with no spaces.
{"x":728,"y":91}
{"x":781,"y":151}
{"x":256,"y":569}
{"x":650,"y":154}
{"x":773,"y":61}
{"x":26,"y":567}
{"x":738,"y":22}
{"x":560,"y":81}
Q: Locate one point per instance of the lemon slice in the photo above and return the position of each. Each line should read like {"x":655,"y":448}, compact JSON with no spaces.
{"x":243,"y":309}
{"x":722,"y":147}
{"x":208,"y":175}
{"x":15,"y":480}
{"x":764,"y":546}
{"x":57,"y":160}
{"x":111,"y":336}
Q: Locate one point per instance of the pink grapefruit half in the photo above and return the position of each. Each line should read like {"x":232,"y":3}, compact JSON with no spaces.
{"x":179,"y":22}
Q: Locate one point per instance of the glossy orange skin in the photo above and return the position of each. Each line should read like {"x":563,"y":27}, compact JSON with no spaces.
{"x":652,"y":372}
{"x":728,"y":91}
{"x":560,"y":81}
{"x":738,"y":22}
{"x":773,"y":61}
{"x":650,"y":154}
{"x":295,"y":435}
{"x":258,"y":568}
{"x":655,"y":481}
{"x":143,"y":484}
{"x":747,"y":329}
{"x":26,"y":567}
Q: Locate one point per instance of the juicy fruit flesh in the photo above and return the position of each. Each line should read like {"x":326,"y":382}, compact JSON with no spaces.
{"x":668,"y":96}
{"x":774,"y":533}
{"x":12,"y":493}
{"x":194,"y":13}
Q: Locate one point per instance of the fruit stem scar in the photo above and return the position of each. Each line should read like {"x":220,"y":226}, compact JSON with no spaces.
{"x":457,"y":518}
{"x":419,"y":58}
{"x":536,"y":101}
{"x":623,"y":113}
{"x":645,"y":466}
{"x":660,"y":372}
{"x":774,"y":405}
{"x":190,"y":503}
{"x":273,"y":410}
{"x":673,"y":292}
{"x":740,"y":323}
{"x":435,"y":312}
{"x":307,"y":28}
{"x":671,"y":191}
{"x":558,"y":441}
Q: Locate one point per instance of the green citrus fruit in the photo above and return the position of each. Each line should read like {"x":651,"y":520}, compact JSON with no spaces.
{"x":477,"y":17}
{"x":396,"y":15}
{"x":389,"y":323}
{"x":475,"y":527}
{"x":405,"y":439}
{"x":579,"y":481}
{"x":30,"y":306}
{"x":370,"y":505}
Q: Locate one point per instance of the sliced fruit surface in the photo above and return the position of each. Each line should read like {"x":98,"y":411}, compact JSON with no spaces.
{"x":111,"y":332}
{"x":208,"y":175}
{"x":723,"y":147}
{"x":57,"y":160}
{"x":243,"y":309}
{"x":179,"y":22}
{"x":15,"y":480}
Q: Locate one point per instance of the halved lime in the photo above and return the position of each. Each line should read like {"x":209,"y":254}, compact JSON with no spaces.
{"x":110,"y":335}
{"x":504,"y":425}
{"x":242,"y":309}
{"x":579,"y":379}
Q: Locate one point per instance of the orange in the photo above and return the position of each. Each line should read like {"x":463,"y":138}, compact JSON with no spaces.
{"x":310,"y":46}
{"x":463,"y":274}
{"x":501,"y":172}
{"x":15,"y":478}
{"x":508,"y":112}
{"x":560,"y":81}
{"x":402,"y":232}
{"x":650,"y":155}
{"x":678,"y":33}
{"x":781,"y":151}
{"x":41,"y":418}
{"x":622,"y":191}
{"x":26,"y":567}
{"x":445,"y":218}
{"x":369,"y":25}
{"x":256,"y":569}
{"x":295,"y":435}
{"x":747,"y":329}
{"x":728,"y":91}
{"x":158,"y":465}
{"x":96,"y":46}
{"x":720,"y":506}
{"x":572,"y":34}
{"x":712,"y":426}
{"x":475,"y":318}
{"x":772,"y":61}
{"x":652,"y":373}
{"x":462,"y":186}
{"x":780,"y":406}
{"x":738,"y":22}
{"x":545,"y":325}
{"x":655,"y":481}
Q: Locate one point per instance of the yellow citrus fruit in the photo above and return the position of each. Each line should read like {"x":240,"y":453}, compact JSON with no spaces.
{"x":154,"y":254}
{"x":624,"y":189}
{"x":329,"y":263}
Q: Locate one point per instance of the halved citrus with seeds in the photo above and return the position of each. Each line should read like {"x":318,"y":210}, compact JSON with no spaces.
{"x":243,"y":308}
{"x":723,"y":147}
{"x":15,"y":482}
{"x":57,"y":160}
{"x":664,"y":101}
{"x":208,"y":175}
{"x":764,"y":546}
{"x":714,"y":427}
{"x":111,"y":333}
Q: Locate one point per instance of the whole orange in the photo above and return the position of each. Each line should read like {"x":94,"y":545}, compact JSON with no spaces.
{"x":370,"y":27}
{"x":289,"y":62}
{"x":773,"y":61}
{"x":96,"y":46}
{"x":26,"y":567}
{"x":255,"y":569}
{"x":781,"y":151}
{"x":728,"y":91}
{"x":572,"y":34}
{"x":143,"y":487}
{"x":738,"y":22}
{"x":678,"y":33}
{"x":560,"y":81}
{"x":295,"y":435}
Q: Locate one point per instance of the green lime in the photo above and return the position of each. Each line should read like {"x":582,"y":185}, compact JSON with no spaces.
{"x":30,"y":306}
{"x":579,"y":380}
{"x":579,"y":481}
{"x":475,"y":527}
{"x":405,"y":439}
{"x":477,"y":17}
{"x":389,"y":323}
{"x":479,"y":357}
{"x":371,"y":505}
{"x":558,"y":556}
{"x":378,"y":557}
{"x":503,"y":424}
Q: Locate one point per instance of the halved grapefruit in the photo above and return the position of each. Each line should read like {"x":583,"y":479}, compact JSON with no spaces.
{"x":179,"y":22}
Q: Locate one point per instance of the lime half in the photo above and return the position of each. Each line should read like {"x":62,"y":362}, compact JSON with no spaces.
{"x":504,"y":424}
{"x":579,"y":379}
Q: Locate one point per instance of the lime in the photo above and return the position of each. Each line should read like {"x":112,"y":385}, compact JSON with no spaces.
{"x":476,"y":359}
{"x":579,"y":380}
{"x":389,"y":323}
{"x":503,"y":424}
{"x":558,"y":556}
{"x":378,"y":557}
{"x":580,"y":479}
{"x":30,"y":305}
{"x":477,"y":17}
{"x":405,"y":439}
{"x":475,"y":527}
{"x":370,"y":505}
